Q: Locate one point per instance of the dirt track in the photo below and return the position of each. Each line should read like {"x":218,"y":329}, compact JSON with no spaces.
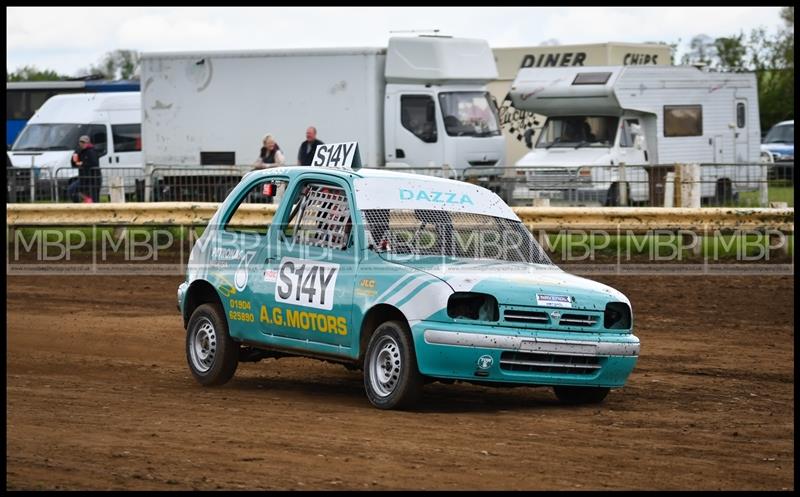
{"x":100,"y":397}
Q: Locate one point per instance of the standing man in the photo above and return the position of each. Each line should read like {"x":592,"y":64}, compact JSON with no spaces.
{"x":306,"y":153}
{"x":87,"y":186}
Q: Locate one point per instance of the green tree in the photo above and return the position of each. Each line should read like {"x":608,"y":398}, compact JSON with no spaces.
{"x":32,"y":73}
{"x":731,"y":53}
{"x":118,"y":64}
{"x":772,"y":58}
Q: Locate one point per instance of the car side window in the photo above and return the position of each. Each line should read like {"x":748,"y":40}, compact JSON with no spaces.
{"x":320,"y":216}
{"x":244,"y":219}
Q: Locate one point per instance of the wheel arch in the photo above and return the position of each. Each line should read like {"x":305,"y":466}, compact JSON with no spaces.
{"x":199,"y":292}
{"x":376,"y":315}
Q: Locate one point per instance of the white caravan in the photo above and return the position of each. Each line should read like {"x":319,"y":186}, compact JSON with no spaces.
{"x":639,"y":115}
{"x":422,"y":102}
{"x":112,"y":120}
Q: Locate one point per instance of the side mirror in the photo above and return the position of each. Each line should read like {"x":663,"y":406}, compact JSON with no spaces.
{"x":529,"y":138}
{"x":638,"y":142}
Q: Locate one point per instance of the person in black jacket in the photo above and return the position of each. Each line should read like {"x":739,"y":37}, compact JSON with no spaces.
{"x":89,"y":178}
{"x":306,"y":153}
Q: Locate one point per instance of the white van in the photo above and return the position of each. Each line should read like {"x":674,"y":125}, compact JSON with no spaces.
{"x":112,"y":120}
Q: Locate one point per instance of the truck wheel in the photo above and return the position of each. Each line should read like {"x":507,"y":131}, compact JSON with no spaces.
{"x":724,"y":192}
{"x":212,"y":354}
{"x":391,"y":377}
{"x":581,"y":395}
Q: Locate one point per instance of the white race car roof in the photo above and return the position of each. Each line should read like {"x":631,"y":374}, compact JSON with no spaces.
{"x":376,"y":189}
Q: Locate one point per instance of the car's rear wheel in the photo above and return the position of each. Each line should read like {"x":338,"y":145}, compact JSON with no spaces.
{"x":391,"y":377}
{"x":581,"y":395}
{"x":210,"y":351}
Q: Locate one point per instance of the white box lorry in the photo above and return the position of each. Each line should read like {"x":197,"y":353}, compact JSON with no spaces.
{"x":634,"y":116}
{"x":422,"y":101}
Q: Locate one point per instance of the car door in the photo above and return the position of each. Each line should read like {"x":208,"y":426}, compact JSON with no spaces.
{"x":237,"y":259}
{"x":312,"y":263}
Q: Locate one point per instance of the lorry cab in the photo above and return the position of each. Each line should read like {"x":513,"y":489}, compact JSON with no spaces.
{"x":438,"y":111}
{"x":111,"y":120}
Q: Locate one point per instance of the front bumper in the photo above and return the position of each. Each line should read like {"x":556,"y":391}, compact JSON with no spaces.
{"x":509,"y":355}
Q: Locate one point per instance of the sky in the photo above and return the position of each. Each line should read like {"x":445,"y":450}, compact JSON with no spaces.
{"x":67,"y":39}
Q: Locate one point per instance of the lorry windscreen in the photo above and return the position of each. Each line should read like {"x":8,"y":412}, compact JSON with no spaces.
{"x":578,"y":131}
{"x":427,"y":232}
{"x":50,"y":136}
{"x":469,"y":113}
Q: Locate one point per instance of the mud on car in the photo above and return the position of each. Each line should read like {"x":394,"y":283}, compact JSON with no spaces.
{"x":408,"y":278}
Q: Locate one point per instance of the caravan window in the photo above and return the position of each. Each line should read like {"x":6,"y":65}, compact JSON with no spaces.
{"x":740,"y":115}
{"x":683,"y":120}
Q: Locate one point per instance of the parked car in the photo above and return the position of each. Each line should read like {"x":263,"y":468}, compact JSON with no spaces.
{"x":410,"y":278}
{"x":779,"y":144}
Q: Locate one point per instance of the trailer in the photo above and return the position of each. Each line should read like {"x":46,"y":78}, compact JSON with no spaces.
{"x":640,"y":116}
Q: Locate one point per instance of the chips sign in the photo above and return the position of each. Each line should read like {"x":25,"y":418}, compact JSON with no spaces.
{"x":337,"y":155}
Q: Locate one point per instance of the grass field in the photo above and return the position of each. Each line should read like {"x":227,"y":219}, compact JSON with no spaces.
{"x":778,"y":191}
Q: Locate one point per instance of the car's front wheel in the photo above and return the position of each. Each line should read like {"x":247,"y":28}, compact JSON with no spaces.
{"x":581,"y":395}
{"x":391,"y":377}
{"x":212,"y":354}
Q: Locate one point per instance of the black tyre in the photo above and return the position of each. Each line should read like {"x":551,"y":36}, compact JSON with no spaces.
{"x":391,"y":377}
{"x":211,"y":353}
{"x":581,"y":395}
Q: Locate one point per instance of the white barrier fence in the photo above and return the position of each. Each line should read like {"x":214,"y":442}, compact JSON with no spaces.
{"x":678,"y":185}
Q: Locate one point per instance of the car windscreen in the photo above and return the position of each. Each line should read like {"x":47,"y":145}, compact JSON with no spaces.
{"x":451,"y":234}
{"x":781,"y":134}
{"x":578,"y":131}
{"x":50,"y":136}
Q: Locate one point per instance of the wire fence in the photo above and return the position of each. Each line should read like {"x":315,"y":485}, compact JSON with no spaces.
{"x":667,"y":185}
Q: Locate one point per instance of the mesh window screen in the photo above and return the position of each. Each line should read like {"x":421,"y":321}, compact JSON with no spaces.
{"x":324,"y":217}
{"x":454,"y":234}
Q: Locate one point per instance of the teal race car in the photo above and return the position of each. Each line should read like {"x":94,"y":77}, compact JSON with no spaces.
{"x":410,"y":278}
